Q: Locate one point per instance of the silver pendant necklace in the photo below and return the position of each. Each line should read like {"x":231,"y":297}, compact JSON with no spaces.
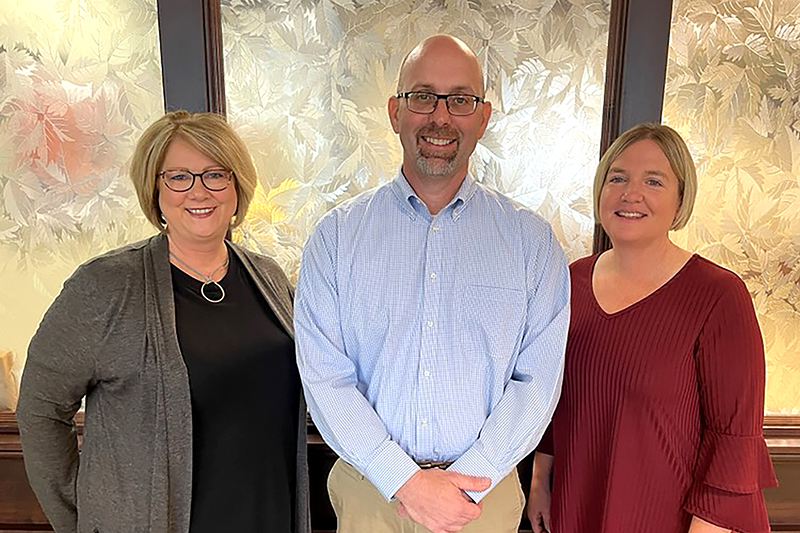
{"x":207,"y":280}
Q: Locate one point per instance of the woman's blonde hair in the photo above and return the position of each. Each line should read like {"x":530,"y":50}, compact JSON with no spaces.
{"x":677,"y":153}
{"x":211,"y":135}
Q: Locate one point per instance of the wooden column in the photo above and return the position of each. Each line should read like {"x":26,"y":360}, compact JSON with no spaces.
{"x":190,"y":35}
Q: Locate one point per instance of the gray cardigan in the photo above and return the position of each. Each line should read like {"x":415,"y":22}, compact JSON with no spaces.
{"x":110,"y":336}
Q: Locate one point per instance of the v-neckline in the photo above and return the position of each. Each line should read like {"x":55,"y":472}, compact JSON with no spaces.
{"x":640,"y":301}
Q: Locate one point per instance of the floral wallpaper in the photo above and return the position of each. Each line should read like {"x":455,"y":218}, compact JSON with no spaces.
{"x":307,"y":84}
{"x":733,"y":92}
{"x":79,"y":80}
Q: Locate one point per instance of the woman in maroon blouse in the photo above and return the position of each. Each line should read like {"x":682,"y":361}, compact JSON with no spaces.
{"x":659,"y":424}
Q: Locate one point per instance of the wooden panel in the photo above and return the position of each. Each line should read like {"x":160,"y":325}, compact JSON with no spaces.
{"x":18,"y":505}
{"x":784,"y":502}
{"x":19,"y":510}
{"x":320,"y":462}
{"x":783,"y":439}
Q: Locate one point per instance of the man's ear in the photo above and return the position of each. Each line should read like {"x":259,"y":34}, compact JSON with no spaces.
{"x":486,"y":114}
{"x":393,"y":106}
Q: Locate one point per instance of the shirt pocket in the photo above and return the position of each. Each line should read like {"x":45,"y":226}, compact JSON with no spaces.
{"x":491,"y":318}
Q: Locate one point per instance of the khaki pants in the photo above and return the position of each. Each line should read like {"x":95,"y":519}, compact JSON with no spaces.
{"x":360,"y":508}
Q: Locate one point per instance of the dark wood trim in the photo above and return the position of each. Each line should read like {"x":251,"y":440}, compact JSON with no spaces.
{"x":783,"y":422}
{"x":612,"y":95}
{"x":215,"y":67}
{"x":8,"y":423}
{"x":192,"y":72}
{"x":782,"y":433}
{"x":615,"y":63}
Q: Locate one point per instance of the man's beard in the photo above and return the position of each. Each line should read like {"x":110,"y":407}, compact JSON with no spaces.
{"x":434,"y":165}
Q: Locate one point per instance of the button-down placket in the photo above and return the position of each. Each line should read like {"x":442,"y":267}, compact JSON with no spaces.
{"x":435,"y":345}
{"x":431,"y":337}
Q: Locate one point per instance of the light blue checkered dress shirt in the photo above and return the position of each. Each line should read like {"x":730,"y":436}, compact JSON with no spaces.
{"x":426,"y":338}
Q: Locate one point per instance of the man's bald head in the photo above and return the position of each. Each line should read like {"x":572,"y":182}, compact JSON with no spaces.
{"x":440,"y":46}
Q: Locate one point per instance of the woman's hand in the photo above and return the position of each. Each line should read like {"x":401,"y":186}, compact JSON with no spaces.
{"x":538,"y":508}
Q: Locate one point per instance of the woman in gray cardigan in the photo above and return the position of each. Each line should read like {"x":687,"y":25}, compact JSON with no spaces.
{"x":182,"y":346}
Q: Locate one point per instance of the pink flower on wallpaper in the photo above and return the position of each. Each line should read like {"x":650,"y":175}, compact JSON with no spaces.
{"x":53,"y":128}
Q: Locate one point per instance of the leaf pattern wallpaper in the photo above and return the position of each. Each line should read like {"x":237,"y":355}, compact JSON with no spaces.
{"x":733,"y":92}
{"x":307,"y":83}
{"x":79,"y":81}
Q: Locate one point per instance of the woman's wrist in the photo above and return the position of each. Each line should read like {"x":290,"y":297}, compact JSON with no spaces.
{"x":542,"y":470}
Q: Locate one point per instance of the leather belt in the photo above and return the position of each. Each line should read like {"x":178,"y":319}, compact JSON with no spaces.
{"x":425,"y":465}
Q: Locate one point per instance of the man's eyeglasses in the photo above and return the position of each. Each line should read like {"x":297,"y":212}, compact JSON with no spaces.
{"x":425,"y":103}
{"x":181,"y":180}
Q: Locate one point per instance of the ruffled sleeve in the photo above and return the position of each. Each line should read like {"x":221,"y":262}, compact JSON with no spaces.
{"x":733,"y":463}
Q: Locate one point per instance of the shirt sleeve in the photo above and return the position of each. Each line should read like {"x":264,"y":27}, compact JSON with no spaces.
{"x":344,"y":417}
{"x":58,"y":373}
{"x":518,"y":421}
{"x":733,"y":463}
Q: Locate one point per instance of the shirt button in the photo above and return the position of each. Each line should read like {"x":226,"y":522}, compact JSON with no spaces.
{"x":424,"y":421}
{"x":426,"y":373}
{"x":435,"y":228}
{"x":433,"y":276}
{"x":429,"y":323}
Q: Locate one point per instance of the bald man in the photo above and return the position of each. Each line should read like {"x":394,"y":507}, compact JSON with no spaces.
{"x":430,"y":319}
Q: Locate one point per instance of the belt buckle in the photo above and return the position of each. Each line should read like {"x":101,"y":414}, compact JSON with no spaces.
{"x":427,"y":465}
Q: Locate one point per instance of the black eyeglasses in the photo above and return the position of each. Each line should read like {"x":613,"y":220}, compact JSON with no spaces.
{"x":181,"y":180}
{"x":424,"y":103}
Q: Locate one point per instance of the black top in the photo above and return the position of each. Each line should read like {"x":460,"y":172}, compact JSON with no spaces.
{"x":245,"y":392}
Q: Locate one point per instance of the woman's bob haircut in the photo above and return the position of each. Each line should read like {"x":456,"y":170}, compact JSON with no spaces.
{"x":677,"y":154}
{"x":211,"y":135}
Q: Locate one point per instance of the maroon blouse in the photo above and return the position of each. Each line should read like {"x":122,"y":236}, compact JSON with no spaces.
{"x":661,"y":411}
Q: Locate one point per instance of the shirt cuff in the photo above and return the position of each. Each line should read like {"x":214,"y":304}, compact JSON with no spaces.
{"x":473,"y":463}
{"x":389,"y":469}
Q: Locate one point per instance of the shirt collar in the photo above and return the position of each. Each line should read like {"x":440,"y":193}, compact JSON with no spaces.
{"x":414,"y":206}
